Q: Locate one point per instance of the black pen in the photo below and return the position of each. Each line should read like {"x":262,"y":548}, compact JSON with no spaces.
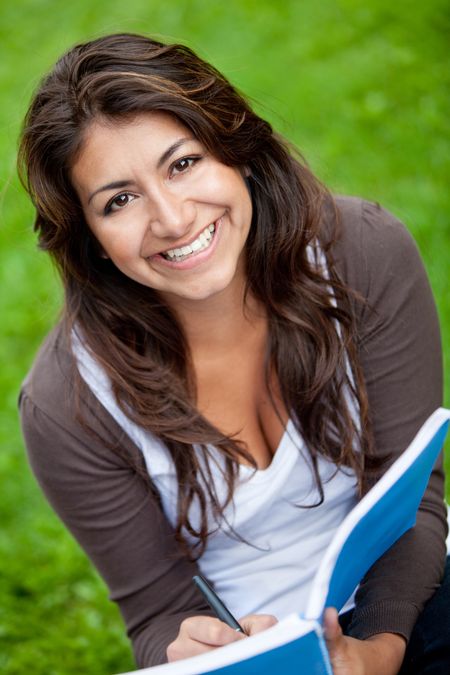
{"x":216,"y":603}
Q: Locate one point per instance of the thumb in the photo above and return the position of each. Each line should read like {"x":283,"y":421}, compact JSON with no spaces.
{"x":334,"y":636}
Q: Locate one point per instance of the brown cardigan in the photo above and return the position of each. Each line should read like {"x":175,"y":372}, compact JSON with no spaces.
{"x":93,"y":485}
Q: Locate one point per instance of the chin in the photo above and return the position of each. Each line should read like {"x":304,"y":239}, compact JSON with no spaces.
{"x":203,"y":291}
{"x":200,"y":294}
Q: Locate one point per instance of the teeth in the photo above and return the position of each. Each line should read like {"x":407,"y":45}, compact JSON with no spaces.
{"x":202,"y":242}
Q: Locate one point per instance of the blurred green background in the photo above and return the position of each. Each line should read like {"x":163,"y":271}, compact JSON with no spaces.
{"x":361,"y":87}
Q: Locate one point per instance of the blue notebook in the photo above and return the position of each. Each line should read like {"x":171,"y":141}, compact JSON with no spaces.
{"x":296,"y":645}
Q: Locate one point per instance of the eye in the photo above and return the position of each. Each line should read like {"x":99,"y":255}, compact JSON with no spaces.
{"x":182,"y":165}
{"x":118,"y":202}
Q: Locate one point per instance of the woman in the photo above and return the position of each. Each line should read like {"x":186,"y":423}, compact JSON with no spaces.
{"x":237,"y":362}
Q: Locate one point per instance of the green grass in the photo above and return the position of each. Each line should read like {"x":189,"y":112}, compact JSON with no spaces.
{"x":361,"y":87}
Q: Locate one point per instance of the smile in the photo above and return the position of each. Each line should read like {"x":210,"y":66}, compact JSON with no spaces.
{"x":202,"y":242}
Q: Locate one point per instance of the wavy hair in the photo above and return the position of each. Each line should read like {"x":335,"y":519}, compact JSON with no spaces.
{"x":129,"y":329}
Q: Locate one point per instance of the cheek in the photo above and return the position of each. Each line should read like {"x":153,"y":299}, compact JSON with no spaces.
{"x":117,"y":245}
{"x":223,"y":184}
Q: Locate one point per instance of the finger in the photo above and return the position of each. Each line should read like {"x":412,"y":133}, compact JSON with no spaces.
{"x":209,"y":631}
{"x":256,"y":623}
{"x":183,"y":649}
{"x":200,"y":634}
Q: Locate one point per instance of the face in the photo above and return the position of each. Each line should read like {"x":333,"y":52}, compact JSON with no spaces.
{"x":167,"y":213}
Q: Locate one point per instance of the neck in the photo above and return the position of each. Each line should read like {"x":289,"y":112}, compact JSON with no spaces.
{"x":219,"y":322}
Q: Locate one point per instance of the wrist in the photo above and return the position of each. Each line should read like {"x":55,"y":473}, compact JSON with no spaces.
{"x":387,"y":651}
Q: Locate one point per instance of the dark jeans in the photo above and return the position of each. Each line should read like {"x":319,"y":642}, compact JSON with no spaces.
{"x":428,"y":651}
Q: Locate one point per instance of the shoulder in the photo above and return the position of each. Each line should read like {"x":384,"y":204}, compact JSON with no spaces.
{"x":53,"y":384}
{"x":372,"y":247}
{"x":49,"y":382}
{"x":60,"y":416}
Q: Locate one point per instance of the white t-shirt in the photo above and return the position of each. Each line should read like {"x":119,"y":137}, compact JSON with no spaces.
{"x":272,"y":572}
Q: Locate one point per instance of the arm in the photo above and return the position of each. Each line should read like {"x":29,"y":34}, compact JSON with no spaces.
{"x":112,"y":512}
{"x":400,"y":353}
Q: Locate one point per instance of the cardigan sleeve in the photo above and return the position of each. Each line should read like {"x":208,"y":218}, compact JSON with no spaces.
{"x":400,"y":353}
{"x":113,"y":513}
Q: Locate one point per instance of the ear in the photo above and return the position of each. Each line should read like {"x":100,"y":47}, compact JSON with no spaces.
{"x":246,"y":172}
{"x":104,"y":255}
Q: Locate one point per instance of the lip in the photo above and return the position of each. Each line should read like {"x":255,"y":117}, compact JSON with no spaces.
{"x":189,"y":241}
{"x":197,"y":258}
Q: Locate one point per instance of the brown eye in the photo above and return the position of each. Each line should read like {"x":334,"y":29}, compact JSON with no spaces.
{"x":121,"y":200}
{"x":118,"y":202}
{"x":183,"y":165}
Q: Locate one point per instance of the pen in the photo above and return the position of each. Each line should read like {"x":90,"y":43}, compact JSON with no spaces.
{"x":216,"y":603}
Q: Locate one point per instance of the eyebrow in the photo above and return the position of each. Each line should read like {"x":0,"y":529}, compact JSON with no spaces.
{"x":171,"y":150}
{"x":118,"y":184}
{"x":115,"y":185}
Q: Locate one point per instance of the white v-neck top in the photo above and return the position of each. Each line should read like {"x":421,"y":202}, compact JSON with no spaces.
{"x":272,"y":572}
{"x":286,"y":540}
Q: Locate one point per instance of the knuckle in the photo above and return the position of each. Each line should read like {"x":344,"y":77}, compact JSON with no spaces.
{"x":216,"y":633}
{"x":219,"y":633}
{"x":172,"y":651}
{"x":185,"y":625}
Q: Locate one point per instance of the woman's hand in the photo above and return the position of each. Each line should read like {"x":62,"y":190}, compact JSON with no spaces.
{"x":381,"y":654}
{"x":200,"y":634}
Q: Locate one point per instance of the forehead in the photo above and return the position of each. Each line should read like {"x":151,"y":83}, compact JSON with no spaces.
{"x":112,"y":145}
{"x":155,"y":127}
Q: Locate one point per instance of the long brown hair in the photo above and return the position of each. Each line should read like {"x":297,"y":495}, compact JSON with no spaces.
{"x":133,"y":334}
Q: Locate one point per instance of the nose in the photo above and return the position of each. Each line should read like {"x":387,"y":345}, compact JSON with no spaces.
{"x":171,"y":215}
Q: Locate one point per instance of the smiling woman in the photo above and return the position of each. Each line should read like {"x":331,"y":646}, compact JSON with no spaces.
{"x":181,"y":226}
{"x":237,"y":362}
